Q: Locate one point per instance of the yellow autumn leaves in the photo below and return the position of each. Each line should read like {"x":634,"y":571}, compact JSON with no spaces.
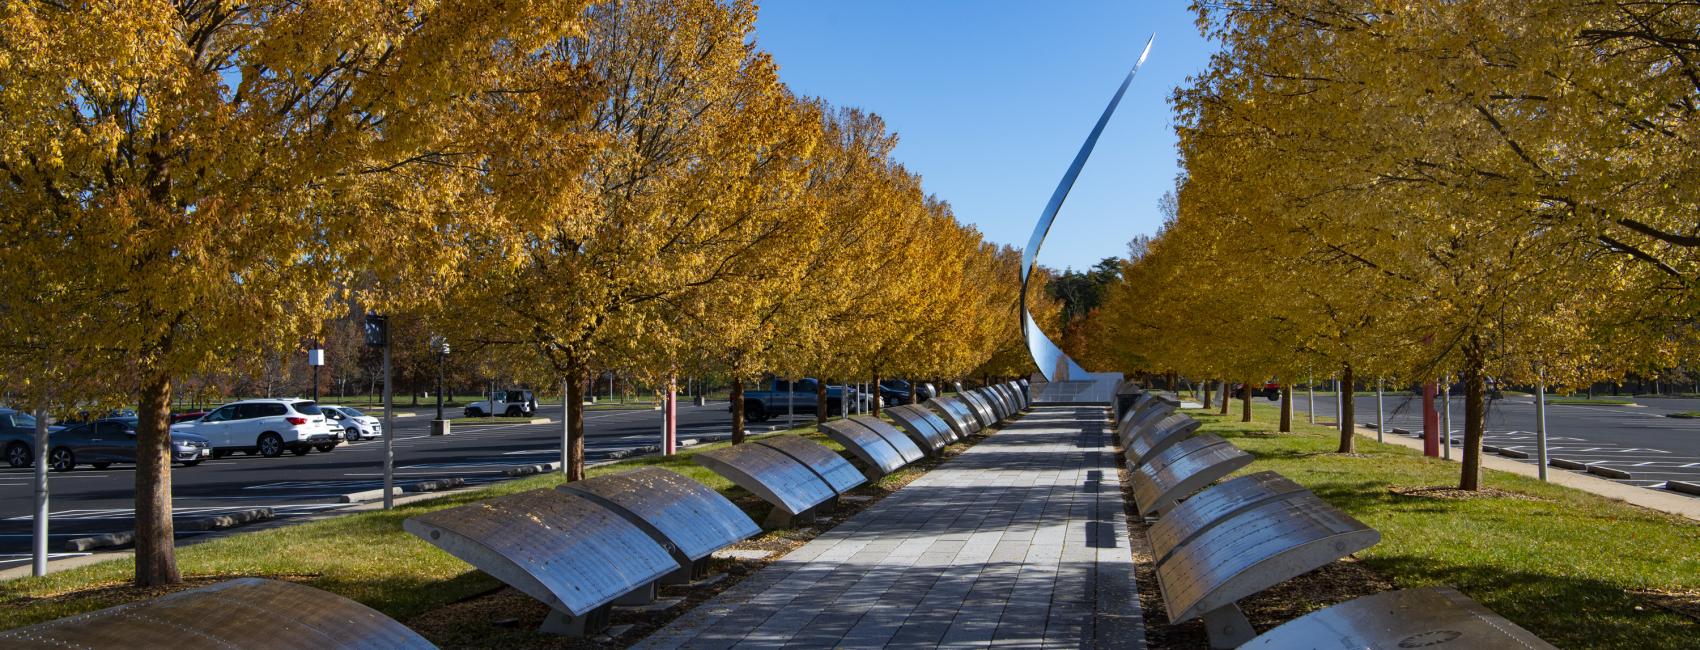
{"x":1481,"y":190}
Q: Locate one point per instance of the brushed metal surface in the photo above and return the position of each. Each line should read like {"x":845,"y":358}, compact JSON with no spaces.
{"x":870,"y":447}
{"x":1214,"y":505}
{"x":921,"y":429}
{"x":955,"y":415}
{"x":820,"y":459}
{"x":1137,"y":424}
{"x":688,"y":516}
{"x":906,"y":446}
{"x":556,"y":547}
{"x":775,"y":477}
{"x":982,"y":409}
{"x":1169,"y":431}
{"x":240,"y":613}
{"x":1185,"y":467}
{"x":1140,"y":403}
{"x":1053,"y":363}
{"x":992,"y":400}
{"x":1433,"y":617}
{"x":1009,"y":406}
{"x":1254,"y":550}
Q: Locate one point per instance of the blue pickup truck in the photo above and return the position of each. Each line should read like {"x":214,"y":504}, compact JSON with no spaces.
{"x":799,"y":397}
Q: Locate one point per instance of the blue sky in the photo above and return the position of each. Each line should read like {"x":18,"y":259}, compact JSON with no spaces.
{"x":991,"y":100}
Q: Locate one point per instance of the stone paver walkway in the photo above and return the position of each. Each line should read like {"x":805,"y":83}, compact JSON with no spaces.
{"x":1020,"y":541}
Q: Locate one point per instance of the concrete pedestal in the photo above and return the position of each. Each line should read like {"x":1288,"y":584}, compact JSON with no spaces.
{"x":440,"y":427}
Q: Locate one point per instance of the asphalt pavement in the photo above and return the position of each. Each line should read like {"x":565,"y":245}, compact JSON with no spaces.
{"x":86,"y":501}
{"x":1640,"y":440}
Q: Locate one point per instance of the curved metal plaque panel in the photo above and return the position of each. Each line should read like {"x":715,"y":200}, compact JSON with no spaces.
{"x":1256,"y":549}
{"x":1171,"y":430}
{"x":1144,"y":401}
{"x":1136,"y":425}
{"x":240,"y":613}
{"x":820,"y":459}
{"x":556,"y":547}
{"x":1214,"y":505}
{"x":1437,"y":617}
{"x":871,"y":447}
{"x":1001,"y":392}
{"x":1185,"y":467}
{"x":1020,"y":394}
{"x":921,"y":433}
{"x":1052,"y":362}
{"x":999,"y":409}
{"x":679,"y":513}
{"x":775,"y":477}
{"x":982,"y":410}
{"x":955,"y":415}
{"x":906,"y":446}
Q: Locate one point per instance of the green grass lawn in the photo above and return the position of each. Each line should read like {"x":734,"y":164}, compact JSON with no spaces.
{"x":364,"y":556}
{"x":1570,"y":566}
{"x":1590,"y":401}
{"x":1687,"y":415}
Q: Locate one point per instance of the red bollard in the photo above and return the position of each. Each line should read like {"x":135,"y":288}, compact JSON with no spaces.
{"x":1431,"y":423}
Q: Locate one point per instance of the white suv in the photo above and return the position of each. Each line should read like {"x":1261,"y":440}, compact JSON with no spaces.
{"x":266,"y":426}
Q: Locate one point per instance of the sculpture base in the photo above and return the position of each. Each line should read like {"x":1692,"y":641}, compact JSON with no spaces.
{"x":1092,"y":389}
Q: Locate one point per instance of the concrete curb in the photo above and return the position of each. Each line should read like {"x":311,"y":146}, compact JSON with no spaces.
{"x":432,"y":485}
{"x":528,"y":470}
{"x":1600,"y":470}
{"x":198,"y":524}
{"x":1512,"y":453}
{"x":366,"y":495}
{"x":634,"y":451}
{"x":1685,"y":487}
{"x":1565,"y":463}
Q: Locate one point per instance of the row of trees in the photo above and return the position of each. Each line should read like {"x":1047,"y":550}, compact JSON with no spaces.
{"x":554,"y":185}
{"x":1410,"y":191}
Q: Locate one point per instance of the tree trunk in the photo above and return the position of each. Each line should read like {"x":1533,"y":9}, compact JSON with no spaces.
{"x":1286,"y":408}
{"x":1245,"y":402}
{"x":574,"y":412}
{"x":913,"y":398}
{"x":821,"y":411}
{"x":1348,"y":434}
{"x":156,"y":553}
{"x":875,"y":387}
{"x":1475,"y":413}
{"x":1225,"y":389}
{"x":1207,"y":388}
{"x":737,"y":411}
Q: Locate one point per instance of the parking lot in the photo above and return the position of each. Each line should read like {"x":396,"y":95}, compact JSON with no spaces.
{"x":88,"y":502}
{"x":1640,"y":440}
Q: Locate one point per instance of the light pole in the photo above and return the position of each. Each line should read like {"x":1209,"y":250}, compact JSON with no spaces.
{"x":315,"y":360}
{"x":378,"y":336}
{"x":440,"y":426}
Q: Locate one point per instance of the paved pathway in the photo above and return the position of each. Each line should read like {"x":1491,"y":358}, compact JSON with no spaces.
{"x":1021,"y":541}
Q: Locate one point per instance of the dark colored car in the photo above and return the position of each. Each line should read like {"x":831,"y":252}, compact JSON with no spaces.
{"x":17,"y":437}
{"x":113,"y":440}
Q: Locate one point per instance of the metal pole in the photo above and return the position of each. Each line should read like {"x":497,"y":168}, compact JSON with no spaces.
{"x":1446,"y":417}
{"x":566,"y":417}
{"x":1541,"y":428}
{"x":790,"y":401}
{"x":389,"y":429}
{"x":1340,"y":406}
{"x":671,"y":445}
{"x":440,"y":385}
{"x":41,"y":514}
{"x":1310,"y":399}
{"x":1380,"y":413}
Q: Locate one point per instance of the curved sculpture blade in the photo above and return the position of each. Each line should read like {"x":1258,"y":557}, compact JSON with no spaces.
{"x":1052,"y":362}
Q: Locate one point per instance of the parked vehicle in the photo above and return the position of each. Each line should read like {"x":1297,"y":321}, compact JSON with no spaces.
{"x":185,"y":417}
{"x":354,"y":424}
{"x":512,"y":403}
{"x":896,"y":391}
{"x":800,"y":396}
{"x":17,"y":437}
{"x":113,"y":440}
{"x":265,"y":426}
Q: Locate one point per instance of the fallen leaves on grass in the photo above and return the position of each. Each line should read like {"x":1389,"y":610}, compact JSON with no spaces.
{"x":1449,"y":493}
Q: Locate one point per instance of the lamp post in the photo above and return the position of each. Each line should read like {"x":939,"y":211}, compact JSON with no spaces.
{"x":315,"y":360}
{"x":440,"y":426}
{"x":378,"y":336}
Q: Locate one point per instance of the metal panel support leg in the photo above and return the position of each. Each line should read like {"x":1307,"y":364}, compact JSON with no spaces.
{"x":1228,"y":627}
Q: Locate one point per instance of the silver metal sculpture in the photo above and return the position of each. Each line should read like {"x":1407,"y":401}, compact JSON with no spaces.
{"x":1052,"y":362}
